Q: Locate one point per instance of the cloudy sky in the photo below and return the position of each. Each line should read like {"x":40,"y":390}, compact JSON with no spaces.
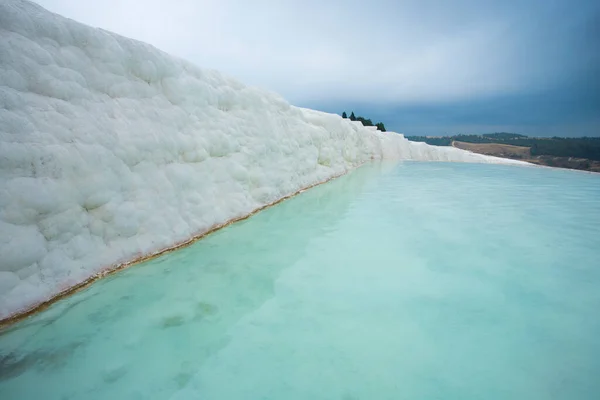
{"x":422,"y":66}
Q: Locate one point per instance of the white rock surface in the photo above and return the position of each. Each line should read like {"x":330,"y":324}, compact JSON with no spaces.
{"x":111,"y":149}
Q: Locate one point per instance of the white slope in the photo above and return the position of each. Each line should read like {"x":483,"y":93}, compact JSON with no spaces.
{"x":111,"y":149}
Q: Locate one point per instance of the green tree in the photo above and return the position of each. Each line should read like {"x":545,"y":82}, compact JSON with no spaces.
{"x":344,"y":115}
{"x":352,"y":117}
{"x":365,"y":121}
{"x":380,"y":126}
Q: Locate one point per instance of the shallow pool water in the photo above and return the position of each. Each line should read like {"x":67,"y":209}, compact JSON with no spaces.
{"x":397,"y":281}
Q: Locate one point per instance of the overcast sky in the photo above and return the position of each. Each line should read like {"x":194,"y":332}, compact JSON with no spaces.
{"x":421,"y":66}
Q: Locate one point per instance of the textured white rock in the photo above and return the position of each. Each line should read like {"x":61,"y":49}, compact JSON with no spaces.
{"x":110,"y":149}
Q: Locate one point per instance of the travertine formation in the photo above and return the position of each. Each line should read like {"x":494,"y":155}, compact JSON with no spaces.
{"x":111,"y":149}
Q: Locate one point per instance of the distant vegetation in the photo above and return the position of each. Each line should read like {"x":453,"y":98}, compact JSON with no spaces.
{"x":365,"y":121}
{"x":583,"y":147}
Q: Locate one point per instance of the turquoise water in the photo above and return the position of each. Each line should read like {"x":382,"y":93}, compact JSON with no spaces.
{"x":397,"y":281}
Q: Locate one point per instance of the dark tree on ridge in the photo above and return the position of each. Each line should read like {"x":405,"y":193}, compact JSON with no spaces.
{"x":364,"y":121}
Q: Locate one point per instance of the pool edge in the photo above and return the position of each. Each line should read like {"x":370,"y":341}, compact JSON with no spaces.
{"x":115,"y":268}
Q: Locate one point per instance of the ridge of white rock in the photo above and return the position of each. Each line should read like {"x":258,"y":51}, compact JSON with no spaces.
{"x":111,"y":149}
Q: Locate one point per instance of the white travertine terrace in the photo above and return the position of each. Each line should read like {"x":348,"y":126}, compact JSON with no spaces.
{"x":111,"y":149}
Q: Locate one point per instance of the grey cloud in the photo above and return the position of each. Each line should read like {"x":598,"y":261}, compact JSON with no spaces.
{"x":377,"y":52}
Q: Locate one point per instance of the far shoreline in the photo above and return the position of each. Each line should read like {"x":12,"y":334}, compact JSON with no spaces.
{"x":581,"y":154}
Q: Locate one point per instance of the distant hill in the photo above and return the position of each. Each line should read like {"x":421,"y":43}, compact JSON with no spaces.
{"x":496,"y":149}
{"x":504,"y":136}
{"x":583,"y":147}
{"x":578,"y":153}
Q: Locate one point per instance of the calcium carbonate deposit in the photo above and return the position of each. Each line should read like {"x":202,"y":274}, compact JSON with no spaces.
{"x":111,"y":149}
